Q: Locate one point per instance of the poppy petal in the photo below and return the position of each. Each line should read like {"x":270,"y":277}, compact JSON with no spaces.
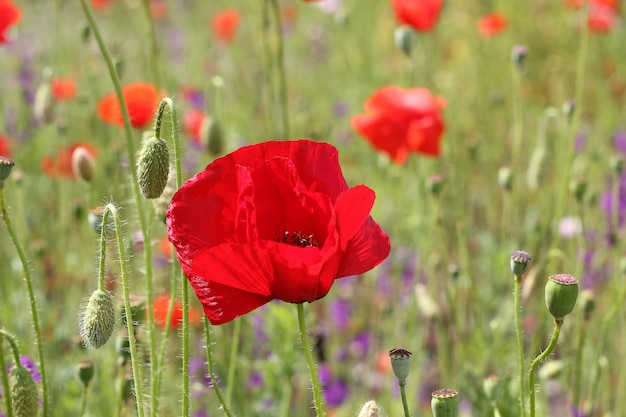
{"x":365,"y":251}
{"x":353,"y":207}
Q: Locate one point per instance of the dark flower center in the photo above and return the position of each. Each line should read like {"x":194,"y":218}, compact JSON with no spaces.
{"x":297,"y":239}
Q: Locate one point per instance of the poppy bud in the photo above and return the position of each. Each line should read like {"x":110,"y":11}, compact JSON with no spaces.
{"x":211,"y":132}
{"x":400,"y":363}
{"x":85,"y":371}
{"x":434,"y":184}
{"x":587,"y":303}
{"x":519,"y":262}
{"x":518,"y":56}
{"x":153,"y":166}
{"x":404,"y":36}
{"x":370,"y":409}
{"x":561,"y":293}
{"x":6,"y":165}
{"x":97,"y":320}
{"x":492,"y":387}
{"x":445,"y":403}
{"x":43,"y":108}
{"x":83,"y":164}
{"x":23,"y":392}
{"x":505,"y":178}
{"x":578,"y":188}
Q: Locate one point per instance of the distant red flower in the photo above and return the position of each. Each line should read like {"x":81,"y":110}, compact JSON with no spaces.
{"x":158,"y":9}
{"x":601,"y":18}
{"x":577,"y":4}
{"x":5,"y":147}
{"x":192,"y":122}
{"x":421,"y":15}
{"x":272,"y":221}
{"x":60,"y":165}
{"x":63,"y":89}
{"x":141,"y":102}
{"x":100,"y":4}
{"x":160,"y":306}
{"x":10,"y":15}
{"x":225,"y":25}
{"x":492,"y":24}
{"x":400,"y":121}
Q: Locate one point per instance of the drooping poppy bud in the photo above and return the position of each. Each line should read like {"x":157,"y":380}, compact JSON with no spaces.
{"x":153,"y":166}
{"x":23,"y":392}
{"x":83,"y":164}
{"x":97,"y":320}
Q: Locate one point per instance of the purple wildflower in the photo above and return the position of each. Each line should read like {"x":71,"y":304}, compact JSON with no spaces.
{"x":340,"y":310}
{"x":619,"y":141}
{"x":335,"y":390}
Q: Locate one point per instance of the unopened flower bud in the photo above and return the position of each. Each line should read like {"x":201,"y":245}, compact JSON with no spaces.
{"x":404,"y":37}
{"x":153,"y":167}
{"x":85,"y":371}
{"x":83,"y":164}
{"x":578,"y":188}
{"x":97,"y":320}
{"x":6,"y":165}
{"x":505,"y":178}
{"x":400,"y":363}
{"x":561,"y":293}
{"x":211,"y":132}
{"x":518,"y":56}
{"x":445,"y":403}
{"x":23,"y":392}
{"x":43,"y":107}
{"x":519,"y":262}
{"x":587,"y":303}
{"x":370,"y":409}
{"x":434,"y":184}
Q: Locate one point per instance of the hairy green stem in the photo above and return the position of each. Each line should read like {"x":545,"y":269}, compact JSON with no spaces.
{"x":520,"y":345}
{"x":139,"y":202}
{"x":538,"y":360}
{"x":209,"y":359}
{"x":5,"y":382}
{"x":154,"y":51}
{"x":318,"y":398}
{"x":83,"y":402}
{"x":14,"y":349}
{"x":232,"y":363}
{"x":405,"y":404}
{"x":31,"y":297}
{"x":110,"y":209}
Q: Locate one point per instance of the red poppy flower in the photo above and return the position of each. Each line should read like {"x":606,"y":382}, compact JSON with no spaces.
{"x":63,"y":89}
{"x":577,"y":4}
{"x":601,"y":18}
{"x":492,"y":24}
{"x":61,"y":164}
{"x":5,"y":148}
{"x":141,"y":102}
{"x":10,"y":15}
{"x":161,"y":304}
{"x":421,"y":15}
{"x":400,"y":121}
{"x":225,"y":25}
{"x":272,"y":221}
{"x":193,"y":121}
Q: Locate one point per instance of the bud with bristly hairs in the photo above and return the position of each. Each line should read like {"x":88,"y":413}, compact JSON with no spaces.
{"x":370,"y":409}
{"x":97,"y":320}
{"x":153,"y":166}
{"x":23,"y":392}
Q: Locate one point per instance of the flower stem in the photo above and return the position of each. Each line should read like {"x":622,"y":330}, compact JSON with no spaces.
{"x":112,"y":210}
{"x":282,"y":78}
{"x":130,"y":150}
{"x":83,"y":403}
{"x":520,"y":345}
{"x":538,"y":360}
{"x":320,"y":409}
{"x":154,"y":51}
{"x":5,"y":382}
{"x":405,"y":404}
{"x":31,"y":296}
{"x":232,"y":363}
{"x":209,"y":359}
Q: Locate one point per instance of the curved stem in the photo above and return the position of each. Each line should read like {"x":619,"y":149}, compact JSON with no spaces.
{"x":31,"y":297}
{"x":320,"y":409}
{"x":5,"y":382}
{"x":538,"y":360}
{"x":14,"y":349}
{"x":405,"y":404}
{"x":139,"y":202}
{"x":209,"y":359}
{"x":520,"y":345}
{"x":112,"y":210}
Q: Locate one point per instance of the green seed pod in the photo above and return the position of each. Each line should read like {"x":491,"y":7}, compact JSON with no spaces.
{"x":434,"y":184}
{"x":23,"y":392}
{"x":505,"y":178}
{"x":519,"y":262}
{"x":445,"y":403}
{"x":211,"y":131}
{"x":97,"y":320}
{"x":404,"y":37}
{"x":587,"y":303}
{"x":370,"y":409}
{"x":153,"y":167}
{"x":6,"y":165}
{"x":85,"y":371}
{"x":400,"y":363}
{"x":561,"y":293}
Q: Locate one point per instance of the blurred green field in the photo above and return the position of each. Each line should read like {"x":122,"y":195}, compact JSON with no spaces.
{"x":445,"y":292}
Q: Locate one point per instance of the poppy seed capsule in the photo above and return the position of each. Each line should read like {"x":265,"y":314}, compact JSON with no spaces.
{"x":519,"y":262}
{"x":211,"y":131}
{"x":400,"y":363}
{"x":98,"y":319}
{"x":370,"y":409}
{"x":6,"y":165}
{"x":404,"y":37}
{"x":561,"y":293}
{"x":445,"y":403}
{"x":23,"y":392}
{"x":153,"y":166}
{"x":85,"y":371}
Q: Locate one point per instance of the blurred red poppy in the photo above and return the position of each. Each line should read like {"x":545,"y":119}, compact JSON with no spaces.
{"x":5,"y":147}
{"x":161,"y":304}
{"x":225,"y":25}
{"x":577,"y":4}
{"x":61,"y":164}
{"x":601,"y":18}
{"x":400,"y":121}
{"x":272,"y":221}
{"x":141,"y":102}
{"x":63,"y":89}
{"x":100,"y":4}
{"x":492,"y":24}
{"x":421,"y":15}
{"x":10,"y":15}
{"x":158,"y":9}
{"x":193,"y":123}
